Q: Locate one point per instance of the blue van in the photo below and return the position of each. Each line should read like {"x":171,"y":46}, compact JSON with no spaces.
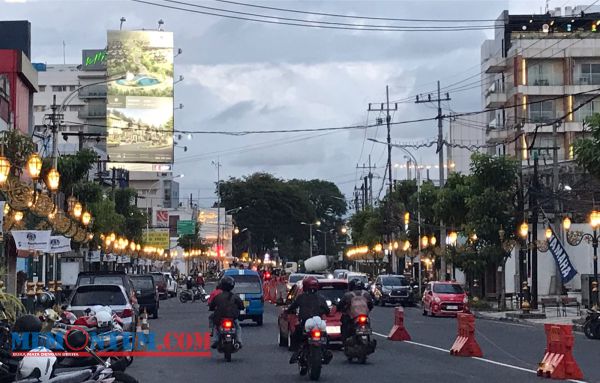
{"x":248,"y":287}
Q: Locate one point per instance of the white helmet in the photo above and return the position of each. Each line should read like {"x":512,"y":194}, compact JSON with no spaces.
{"x":51,"y":315}
{"x":34,"y":366}
{"x":104,"y":319}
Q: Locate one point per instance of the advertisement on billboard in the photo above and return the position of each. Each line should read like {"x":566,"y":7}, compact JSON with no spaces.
{"x":158,"y":238}
{"x":139,"y":112}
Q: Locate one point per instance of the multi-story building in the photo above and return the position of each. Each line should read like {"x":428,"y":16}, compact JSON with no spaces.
{"x":540,"y":81}
{"x":540,"y":69}
{"x":84,"y":111}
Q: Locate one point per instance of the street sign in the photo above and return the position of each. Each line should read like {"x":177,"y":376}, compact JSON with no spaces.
{"x":185,"y":227}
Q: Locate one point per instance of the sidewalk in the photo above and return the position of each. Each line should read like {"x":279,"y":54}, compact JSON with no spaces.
{"x":550,"y":317}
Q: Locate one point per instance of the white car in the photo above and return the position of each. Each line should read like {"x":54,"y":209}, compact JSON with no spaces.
{"x":171,"y":284}
{"x":114,"y":296}
{"x":361,"y":276}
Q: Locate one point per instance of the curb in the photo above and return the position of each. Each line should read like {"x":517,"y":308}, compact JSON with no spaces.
{"x":479,"y":315}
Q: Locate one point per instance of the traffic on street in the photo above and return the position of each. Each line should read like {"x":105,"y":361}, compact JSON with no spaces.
{"x":292,"y":191}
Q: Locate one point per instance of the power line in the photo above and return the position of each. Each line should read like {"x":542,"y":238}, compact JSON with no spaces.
{"x":316,"y":24}
{"x":314,"y":21}
{"x":350,"y":16}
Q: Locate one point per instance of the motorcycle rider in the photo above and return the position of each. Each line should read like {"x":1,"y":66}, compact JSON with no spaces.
{"x":226,"y":305}
{"x":310,"y":304}
{"x":357,"y":301}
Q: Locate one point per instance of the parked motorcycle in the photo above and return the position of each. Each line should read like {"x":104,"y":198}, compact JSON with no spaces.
{"x":228,"y":343}
{"x":195,"y":294}
{"x":313,"y":351}
{"x":359,"y":344}
{"x":591,"y":326}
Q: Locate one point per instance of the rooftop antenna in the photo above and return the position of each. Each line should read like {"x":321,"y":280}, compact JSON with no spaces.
{"x":123,"y":19}
{"x":160,"y":24}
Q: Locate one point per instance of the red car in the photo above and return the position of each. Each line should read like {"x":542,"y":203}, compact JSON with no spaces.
{"x":332,"y":290}
{"x":444,"y":299}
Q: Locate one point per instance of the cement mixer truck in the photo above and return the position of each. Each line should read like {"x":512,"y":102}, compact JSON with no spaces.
{"x":316,"y":264}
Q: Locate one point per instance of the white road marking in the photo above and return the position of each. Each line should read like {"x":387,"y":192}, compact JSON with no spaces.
{"x":477,"y":358}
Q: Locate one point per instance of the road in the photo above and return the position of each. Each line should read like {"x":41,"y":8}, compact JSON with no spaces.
{"x":511,"y":352}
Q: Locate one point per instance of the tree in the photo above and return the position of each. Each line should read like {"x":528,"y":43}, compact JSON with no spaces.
{"x":587,"y":150}
{"x":273,"y":210}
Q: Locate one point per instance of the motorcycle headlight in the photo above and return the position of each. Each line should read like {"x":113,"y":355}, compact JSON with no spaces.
{"x":437,"y":299}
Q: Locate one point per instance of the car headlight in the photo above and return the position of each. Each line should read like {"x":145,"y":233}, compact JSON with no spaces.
{"x":466,"y":300}
{"x":437,"y":299}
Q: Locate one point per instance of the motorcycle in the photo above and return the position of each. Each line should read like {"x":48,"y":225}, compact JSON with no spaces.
{"x":360,"y":344}
{"x":228,"y":343}
{"x":195,"y":294}
{"x":591,"y":326}
{"x":313,"y":351}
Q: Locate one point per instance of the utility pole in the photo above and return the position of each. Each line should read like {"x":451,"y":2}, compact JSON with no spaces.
{"x":440,"y":151}
{"x":557,"y":220}
{"x":218,"y":166}
{"x":388,"y":120}
{"x":369,"y":185}
{"x":533,"y":204}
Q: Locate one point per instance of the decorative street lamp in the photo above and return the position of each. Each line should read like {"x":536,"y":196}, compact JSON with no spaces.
{"x":53,"y":179}
{"x":4,"y":169}
{"x":86,"y":218}
{"x":77,"y":210}
{"x":34,"y":166}
{"x":574,"y":238}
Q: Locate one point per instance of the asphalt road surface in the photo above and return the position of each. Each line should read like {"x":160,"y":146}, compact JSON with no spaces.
{"x":511,"y":352}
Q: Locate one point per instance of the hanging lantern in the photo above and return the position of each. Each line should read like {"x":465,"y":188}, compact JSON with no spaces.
{"x":524,"y":230}
{"x":18,"y":216}
{"x":53,"y":179}
{"x":71,"y":201}
{"x":113,"y":237}
{"x":34,"y":166}
{"x":548,"y":233}
{"x":6,"y":208}
{"x":4,"y":169}
{"x":138,"y":247}
{"x":77,"y":209}
{"x":132,"y":246}
{"x":86,"y":218}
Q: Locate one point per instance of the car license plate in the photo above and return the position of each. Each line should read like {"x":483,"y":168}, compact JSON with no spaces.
{"x":246,"y":303}
{"x":452,"y":307}
{"x":333,"y":329}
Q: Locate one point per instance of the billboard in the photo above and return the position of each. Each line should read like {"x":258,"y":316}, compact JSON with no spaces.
{"x":157,"y":238}
{"x":139,"y":109}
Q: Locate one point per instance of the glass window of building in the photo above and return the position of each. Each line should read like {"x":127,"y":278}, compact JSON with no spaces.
{"x":544,"y":73}
{"x":587,"y":74}
{"x":541,"y":111}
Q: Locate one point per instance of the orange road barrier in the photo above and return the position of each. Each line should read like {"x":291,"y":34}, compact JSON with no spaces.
{"x":398,"y":332}
{"x":558,"y":362}
{"x":465,"y":343}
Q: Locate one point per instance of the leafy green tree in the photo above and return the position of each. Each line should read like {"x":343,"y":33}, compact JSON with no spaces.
{"x":587,"y":149}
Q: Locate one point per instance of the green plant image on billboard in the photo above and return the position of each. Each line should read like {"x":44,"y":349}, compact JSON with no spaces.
{"x":140,"y":103}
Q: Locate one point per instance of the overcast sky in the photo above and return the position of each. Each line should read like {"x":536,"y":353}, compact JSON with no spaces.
{"x":242,"y":75}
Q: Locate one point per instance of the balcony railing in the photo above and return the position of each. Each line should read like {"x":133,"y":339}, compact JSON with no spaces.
{"x":96,"y":91}
{"x":93,"y":111}
{"x":588,"y":79}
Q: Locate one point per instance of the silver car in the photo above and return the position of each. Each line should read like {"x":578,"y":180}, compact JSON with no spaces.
{"x":86,"y":296}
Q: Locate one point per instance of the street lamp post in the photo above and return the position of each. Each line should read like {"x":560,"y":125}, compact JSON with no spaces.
{"x":310,"y":227}
{"x":574,"y":238}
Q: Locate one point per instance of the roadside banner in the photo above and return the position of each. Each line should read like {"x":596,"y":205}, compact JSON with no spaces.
{"x":94,"y":256}
{"x":158,"y":238}
{"x":59,"y":244}
{"x":110,"y":257}
{"x":566,"y":268}
{"x":32,"y":240}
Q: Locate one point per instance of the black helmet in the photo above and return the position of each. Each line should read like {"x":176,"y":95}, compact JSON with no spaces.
{"x":28,"y":323}
{"x":227,"y":283}
{"x":356,"y":284}
{"x":46,"y":299}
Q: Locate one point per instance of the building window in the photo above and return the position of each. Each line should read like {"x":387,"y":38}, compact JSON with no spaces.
{"x":59,"y":88}
{"x":542,"y":111}
{"x":42,"y":88}
{"x":544,"y":73}
{"x":72,"y":87}
{"x":589,"y":74}
{"x":75,"y":108}
{"x":39,"y":108}
{"x":586,"y":110}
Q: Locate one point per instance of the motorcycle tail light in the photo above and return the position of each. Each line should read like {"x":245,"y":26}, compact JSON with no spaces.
{"x":127,"y":313}
{"x":227,"y":324}
{"x":315,"y":334}
{"x":362,"y":319}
